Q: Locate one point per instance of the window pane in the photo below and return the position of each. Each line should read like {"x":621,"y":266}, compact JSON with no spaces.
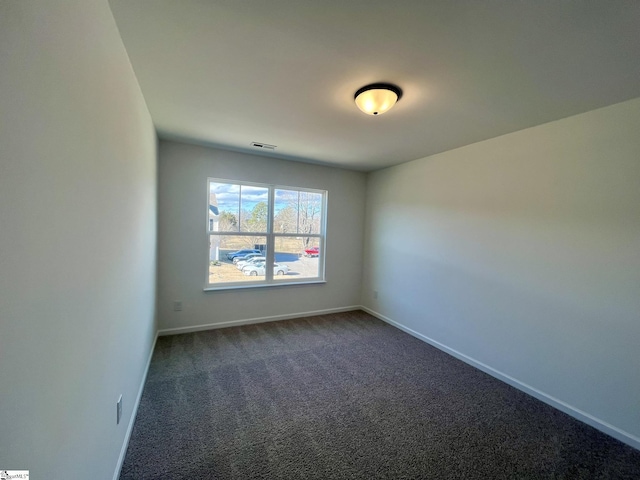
{"x":254,"y":209}
{"x":235,"y":258}
{"x":295,"y":259}
{"x":224,"y":207}
{"x":310,"y":212}
{"x":297,"y":212}
{"x":285,"y":218}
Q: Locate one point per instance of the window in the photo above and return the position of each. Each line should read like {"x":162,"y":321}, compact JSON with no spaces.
{"x":264,"y":234}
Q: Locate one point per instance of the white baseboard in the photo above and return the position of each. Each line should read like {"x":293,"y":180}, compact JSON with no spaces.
{"x":585,"y":417}
{"x":134,"y":413}
{"x":235,"y":323}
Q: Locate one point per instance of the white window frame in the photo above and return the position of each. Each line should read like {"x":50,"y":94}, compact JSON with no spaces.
{"x":271,"y":236}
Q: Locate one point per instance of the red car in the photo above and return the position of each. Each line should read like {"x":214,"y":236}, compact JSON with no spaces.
{"x":312,"y":252}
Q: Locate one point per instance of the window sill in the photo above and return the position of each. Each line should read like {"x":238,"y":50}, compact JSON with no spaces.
{"x":261,"y":285}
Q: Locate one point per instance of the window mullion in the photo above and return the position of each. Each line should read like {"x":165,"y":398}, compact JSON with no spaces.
{"x":270,"y":237}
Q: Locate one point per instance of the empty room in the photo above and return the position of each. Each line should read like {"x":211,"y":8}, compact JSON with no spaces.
{"x":319,"y":240}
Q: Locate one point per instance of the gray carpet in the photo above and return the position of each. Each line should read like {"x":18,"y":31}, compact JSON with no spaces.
{"x":347,"y":396}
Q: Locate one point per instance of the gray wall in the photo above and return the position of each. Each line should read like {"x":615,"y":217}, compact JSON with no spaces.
{"x":183,"y":245}
{"x":522,"y":253}
{"x":77,"y":238}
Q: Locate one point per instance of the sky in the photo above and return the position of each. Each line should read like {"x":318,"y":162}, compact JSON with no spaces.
{"x":228,"y":196}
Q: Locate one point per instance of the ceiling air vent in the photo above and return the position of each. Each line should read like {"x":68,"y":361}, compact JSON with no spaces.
{"x":264,"y":146}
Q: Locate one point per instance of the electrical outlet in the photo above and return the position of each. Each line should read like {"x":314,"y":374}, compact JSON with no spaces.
{"x":119,"y":410}
{"x":177,"y":306}
{"x":375,"y":294}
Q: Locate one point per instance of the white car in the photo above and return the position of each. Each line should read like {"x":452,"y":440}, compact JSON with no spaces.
{"x":251,"y":261}
{"x":259,"y":269}
{"x":248,"y":256}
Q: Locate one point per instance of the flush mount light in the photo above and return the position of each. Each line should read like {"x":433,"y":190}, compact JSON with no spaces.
{"x":377,"y":98}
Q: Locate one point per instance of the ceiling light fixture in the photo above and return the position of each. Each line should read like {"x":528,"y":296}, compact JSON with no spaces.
{"x":377,"y":98}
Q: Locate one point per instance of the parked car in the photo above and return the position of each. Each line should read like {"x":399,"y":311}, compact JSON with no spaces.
{"x":312,"y":252}
{"x":246,"y":257}
{"x":254,"y":269}
{"x":280,"y":269}
{"x":259,"y":269}
{"x":240,"y":253}
{"x":252,"y":261}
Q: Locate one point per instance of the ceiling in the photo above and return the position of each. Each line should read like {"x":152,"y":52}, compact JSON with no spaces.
{"x":226,"y":73}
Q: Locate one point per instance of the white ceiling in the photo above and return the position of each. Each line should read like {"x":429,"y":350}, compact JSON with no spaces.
{"x":229,"y":72}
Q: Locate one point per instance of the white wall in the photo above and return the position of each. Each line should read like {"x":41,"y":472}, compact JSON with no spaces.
{"x":523,"y":253}
{"x":77,"y":238}
{"x":183,"y":245}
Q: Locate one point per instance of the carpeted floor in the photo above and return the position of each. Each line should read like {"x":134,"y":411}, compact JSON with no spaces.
{"x":346,"y":396}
